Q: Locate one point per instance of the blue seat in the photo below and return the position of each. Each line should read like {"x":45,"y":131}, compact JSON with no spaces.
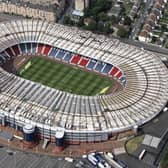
{"x":28,"y":46}
{"x":23,"y":48}
{"x":34,"y":48}
{"x":68,"y":57}
{"x":99,"y":66}
{"x":5,"y":56}
{"x":107,"y":68}
{"x":53,"y":52}
{"x":91,"y":64}
{"x":2,"y":59}
{"x":60,"y":54}
{"x":123,"y":80}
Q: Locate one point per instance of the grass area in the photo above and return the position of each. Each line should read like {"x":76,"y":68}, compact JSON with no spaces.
{"x":163,"y":20}
{"x":64,"y":77}
{"x":164,"y":161}
{"x":128,"y":6}
{"x":134,"y":143}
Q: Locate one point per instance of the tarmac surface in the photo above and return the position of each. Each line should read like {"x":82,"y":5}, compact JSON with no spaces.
{"x":158,"y":127}
{"x":17,"y":159}
{"x":133,"y":162}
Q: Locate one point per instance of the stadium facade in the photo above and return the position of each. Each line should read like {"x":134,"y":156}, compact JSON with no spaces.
{"x":82,"y":118}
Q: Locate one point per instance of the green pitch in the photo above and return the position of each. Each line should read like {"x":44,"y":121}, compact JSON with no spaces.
{"x":64,"y":77}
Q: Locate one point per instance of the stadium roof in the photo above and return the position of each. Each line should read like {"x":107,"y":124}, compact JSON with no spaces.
{"x":143,"y":97}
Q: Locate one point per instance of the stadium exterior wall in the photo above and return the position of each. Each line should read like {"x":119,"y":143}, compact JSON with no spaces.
{"x":44,"y":131}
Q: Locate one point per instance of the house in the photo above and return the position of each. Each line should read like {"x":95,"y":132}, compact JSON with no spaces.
{"x":144,"y":36}
{"x":156,"y":13}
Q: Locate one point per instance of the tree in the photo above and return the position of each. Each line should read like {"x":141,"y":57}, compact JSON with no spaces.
{"x":107,"y":28}
{"x":67,"y":20}
{"x":154,"y":39}
{"x":102,"y":16}
{"x":95,"y":11}
{"x":104,"y":27}
{"x":92,"y":25}
{"x":122,"y":32}
{"x":80,"y":22}
{"x":163,"y":27}
{"x":123,"y":10}
{"x":87,"y":12}
{"x":97,"y":7}
{"x":103,"y":4}
{"x":100,"y":26}
{"x":113,"y":19}
{"x":127,"y":20}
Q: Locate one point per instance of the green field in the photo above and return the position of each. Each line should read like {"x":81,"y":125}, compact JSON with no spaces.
{"x":164,"y":160}
{"x":64,"y":77}
{"x":134,"y":143}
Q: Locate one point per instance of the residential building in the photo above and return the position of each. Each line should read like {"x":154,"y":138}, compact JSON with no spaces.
{"x":80,"y":5}
{"x":39,"y":9}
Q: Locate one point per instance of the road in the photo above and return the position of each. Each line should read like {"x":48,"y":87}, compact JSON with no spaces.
{"x":137,"y":25}
{"x":133,"y":162}
{"x":68,"y":11}
{"x":146,"y":46}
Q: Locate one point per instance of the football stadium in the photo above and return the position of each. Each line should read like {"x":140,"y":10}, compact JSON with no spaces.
{"x":89,"y":87}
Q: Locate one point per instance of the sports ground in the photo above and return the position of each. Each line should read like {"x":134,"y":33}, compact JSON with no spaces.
{"x":64,"y":77}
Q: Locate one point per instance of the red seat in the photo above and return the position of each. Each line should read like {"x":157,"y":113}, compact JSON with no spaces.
{"x":47,"y":49}
{"x":83,"y":62}
{"x":75,"y":59}
{"x":119,"y":75}
{"x":16,"y":49}
{"x":114,"y":71}
{"x":40,"y":48}
{"x":9,"y":52}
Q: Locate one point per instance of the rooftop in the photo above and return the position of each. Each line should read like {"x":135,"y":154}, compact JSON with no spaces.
{"x":47,"y":5}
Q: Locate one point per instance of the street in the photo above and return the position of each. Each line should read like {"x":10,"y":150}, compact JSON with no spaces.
{"x":137,"y":25}
{"x":67,"y":11}
{"x":146,"y":46}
